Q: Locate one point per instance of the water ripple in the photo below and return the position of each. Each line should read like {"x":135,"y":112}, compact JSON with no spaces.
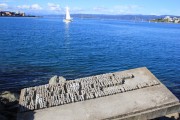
{"x":33,"y":50}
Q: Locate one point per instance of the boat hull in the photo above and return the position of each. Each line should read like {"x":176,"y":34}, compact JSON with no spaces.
{"x":67,"y":21}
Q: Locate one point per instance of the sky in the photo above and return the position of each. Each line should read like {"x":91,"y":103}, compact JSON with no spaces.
{"x":114,"y":7}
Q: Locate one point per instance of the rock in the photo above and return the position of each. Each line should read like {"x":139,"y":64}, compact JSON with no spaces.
{"x":13,"y":106}
{"x":53,"y":80}
{"x":1,"y":106}
{"x":174,"y":116}
{"x":3,"y":117}
{"x":8,"y":105}
{"x":9,"y":97}
{"x":62,"y":79}
{"x":10,"y":115}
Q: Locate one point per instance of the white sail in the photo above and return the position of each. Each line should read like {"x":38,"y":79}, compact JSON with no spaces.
{"x":68,"y":17}
{"x":67,"y":14}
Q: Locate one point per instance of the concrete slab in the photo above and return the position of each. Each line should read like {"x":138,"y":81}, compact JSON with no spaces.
{"x":142,"y":97}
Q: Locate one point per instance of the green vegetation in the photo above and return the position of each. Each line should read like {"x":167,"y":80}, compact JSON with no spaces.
{"x":159,"y":20}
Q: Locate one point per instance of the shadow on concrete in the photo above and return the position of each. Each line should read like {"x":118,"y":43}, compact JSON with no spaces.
{"x":10,"y":111}
{"x":28,"y":115}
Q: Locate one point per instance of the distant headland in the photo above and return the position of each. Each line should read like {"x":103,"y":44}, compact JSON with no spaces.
{"x":14,"y":14}
{"x":167,"y":19}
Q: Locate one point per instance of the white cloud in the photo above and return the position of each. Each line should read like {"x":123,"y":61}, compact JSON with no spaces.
{"x":3,"y":6}
{"x":54,"y":7}
{"x":36,"y":7}
{"x":76,"y":10}
{"x":30,"y":7}
{"x":101,"y":9}
{"x":7,"y":0}
{"x":130,"y":9}
{"x":23,"y":7}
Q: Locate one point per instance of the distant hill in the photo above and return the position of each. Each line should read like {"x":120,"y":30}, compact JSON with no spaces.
{"x":119,"y":17}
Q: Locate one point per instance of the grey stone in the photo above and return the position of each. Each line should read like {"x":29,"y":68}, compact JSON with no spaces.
{"x":174,"y":116}
{"x":53,"y":80}
{"x":62,"y":79}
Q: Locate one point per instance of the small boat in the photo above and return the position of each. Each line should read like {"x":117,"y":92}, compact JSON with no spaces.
{"x":68,"y":17}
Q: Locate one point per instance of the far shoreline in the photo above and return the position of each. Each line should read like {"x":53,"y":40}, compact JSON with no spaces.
{"x":20,"y":16}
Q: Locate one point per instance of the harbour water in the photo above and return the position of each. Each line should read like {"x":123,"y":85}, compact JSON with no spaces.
{"x":35,"y":49}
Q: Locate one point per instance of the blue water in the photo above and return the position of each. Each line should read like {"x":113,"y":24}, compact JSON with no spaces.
{"x":35,"y":49}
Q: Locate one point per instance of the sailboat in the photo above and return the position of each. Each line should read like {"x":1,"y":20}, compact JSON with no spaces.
{"x":68,"y":17}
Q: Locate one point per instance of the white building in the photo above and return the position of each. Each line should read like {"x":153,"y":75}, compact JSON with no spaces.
{"x":168,"y":18}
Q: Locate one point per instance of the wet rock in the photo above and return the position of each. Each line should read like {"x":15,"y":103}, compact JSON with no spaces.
{"x":54,"y":80}
{"x":10,"y":115}
{"x":2,"y":117}
{"x":8,"y":97}
{"x":174,"y":116}
{"x":8,"y":105}
{"x":1,"y":106}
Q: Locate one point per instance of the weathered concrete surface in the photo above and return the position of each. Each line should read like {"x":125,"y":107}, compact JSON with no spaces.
{"x":141,"y":104}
